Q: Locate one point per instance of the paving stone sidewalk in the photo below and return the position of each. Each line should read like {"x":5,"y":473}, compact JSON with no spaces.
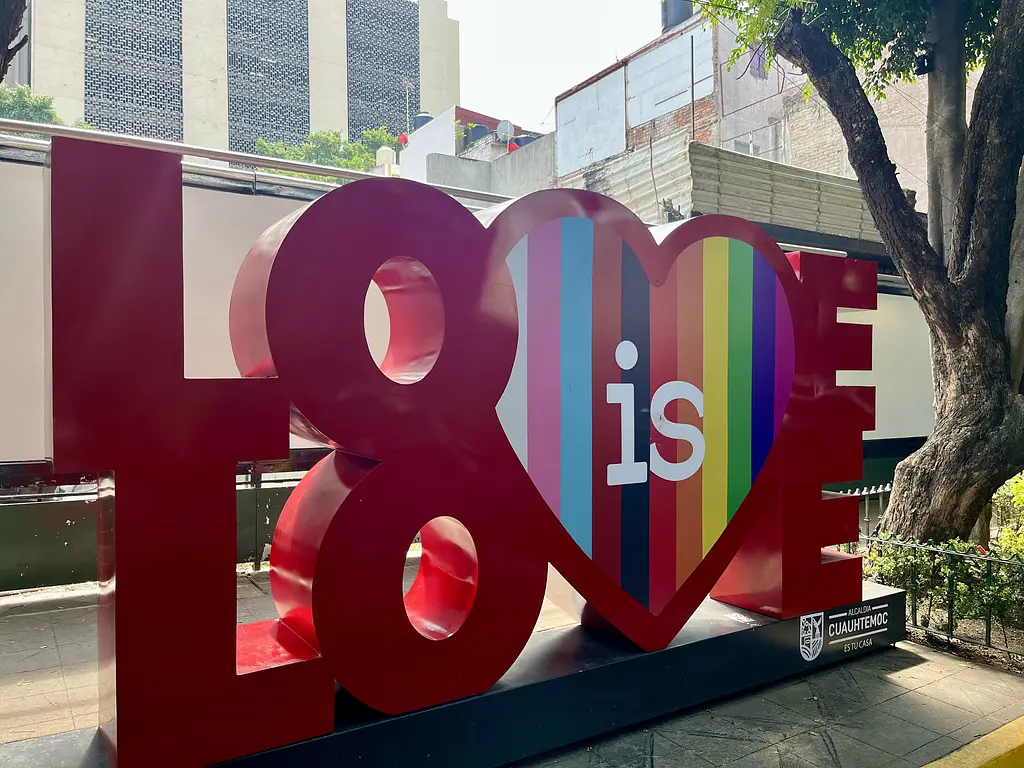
{"x":901,"y":707}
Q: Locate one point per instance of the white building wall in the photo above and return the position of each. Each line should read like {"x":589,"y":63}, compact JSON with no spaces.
{"x":204,"y":66}
{"x":328,"y":67}
{"x":591,"y":123}
{"x":436,"y":137}
{"x":753,"y":106}
{"x":658,"y":81}
{"x":58,"y":55}
{"x":439,"y":58}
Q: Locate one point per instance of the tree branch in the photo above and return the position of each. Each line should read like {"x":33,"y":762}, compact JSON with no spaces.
{"x":902,"y":231}
{"x":947,"y":118}
{"x":987,"y":198}
{"x":12,"y":16}
{"x":13,"y":50}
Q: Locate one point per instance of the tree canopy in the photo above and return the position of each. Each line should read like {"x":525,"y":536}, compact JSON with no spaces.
{"x":881,"y":38}
{"x":330,"y":148}
{"x":19,"y":103}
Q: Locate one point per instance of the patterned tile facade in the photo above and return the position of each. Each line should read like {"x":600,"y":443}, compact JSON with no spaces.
{"x":268,"y":72}
{"x":133,"y":67}
{"x":383,"y":64}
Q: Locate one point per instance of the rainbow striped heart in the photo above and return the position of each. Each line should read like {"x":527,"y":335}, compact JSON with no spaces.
{"x":644,"y":412}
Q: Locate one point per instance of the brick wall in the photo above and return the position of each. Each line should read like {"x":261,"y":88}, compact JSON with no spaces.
{"x":487,"y":148}
{"x":813,"y":136}
{"x":815,"y":141}
{"x":706,"y":119}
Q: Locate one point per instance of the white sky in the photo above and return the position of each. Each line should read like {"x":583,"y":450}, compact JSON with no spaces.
{"x":517,"y":56}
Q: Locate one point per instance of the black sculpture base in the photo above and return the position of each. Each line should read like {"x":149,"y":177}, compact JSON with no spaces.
{"x":570,"y":685}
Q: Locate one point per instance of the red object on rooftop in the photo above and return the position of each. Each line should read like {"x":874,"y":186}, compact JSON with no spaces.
{"x":403,"y":139}
{"x":512,"y":146}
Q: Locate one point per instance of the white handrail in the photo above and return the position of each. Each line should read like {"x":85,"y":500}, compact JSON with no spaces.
{"x":222,"y":155}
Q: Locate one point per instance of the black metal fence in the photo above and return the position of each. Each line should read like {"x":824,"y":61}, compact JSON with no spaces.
{"x":957,"y":590}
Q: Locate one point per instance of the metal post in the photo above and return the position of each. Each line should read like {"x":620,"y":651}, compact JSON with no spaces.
{"x":408,"y":110}
{"x":988,"y":608}
{"x":256,"y":476}
{"x":950,"y":594}
{"x":913,"y":587}
{"x":693,"y":96}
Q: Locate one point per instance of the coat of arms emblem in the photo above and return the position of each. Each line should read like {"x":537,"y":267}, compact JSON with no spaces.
{"x":811,"y":635}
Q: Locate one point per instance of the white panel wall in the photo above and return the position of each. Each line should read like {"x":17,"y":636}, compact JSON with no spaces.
{"x":901,"y":368}
{"x":22,"y":373}
{"x":658,"y":82}
{"x":592,"y":123}
{"x":218,"y":229}
{"x":436,"y":137}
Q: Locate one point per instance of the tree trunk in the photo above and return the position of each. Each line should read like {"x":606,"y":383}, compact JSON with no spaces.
{"x":1015,"y":295}
{"x":946,"y":132}
{"x":12,"y":16}
{"x":982,"y":533}
{"x":977,"y":442}
{"x":978,"y":439}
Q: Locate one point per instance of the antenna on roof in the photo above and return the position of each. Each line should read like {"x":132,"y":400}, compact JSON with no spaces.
{"x":506,"y":131}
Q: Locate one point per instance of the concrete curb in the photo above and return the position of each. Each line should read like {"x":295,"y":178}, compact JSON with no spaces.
{"x":1003,"y":748}
{"x":28,"y":601}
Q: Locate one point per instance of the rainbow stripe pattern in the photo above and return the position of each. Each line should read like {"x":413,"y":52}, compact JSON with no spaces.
{"x":720,"y":322}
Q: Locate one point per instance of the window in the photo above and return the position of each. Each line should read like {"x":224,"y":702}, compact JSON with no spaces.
{"x":759,"y":63}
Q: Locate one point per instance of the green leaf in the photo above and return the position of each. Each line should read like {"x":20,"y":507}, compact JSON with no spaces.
{"x":880,"y":37}
{"x":329,"y":148}
{"x":19,"y":103}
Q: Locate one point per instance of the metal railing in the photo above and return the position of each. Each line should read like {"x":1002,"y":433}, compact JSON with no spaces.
{"x":217,"y":155}
{"x":958,"y":590}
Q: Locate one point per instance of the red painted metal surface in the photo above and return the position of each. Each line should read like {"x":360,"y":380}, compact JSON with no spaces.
{"x":782,"y":568}
{"x":121,"y":405}
{"x":419,"y":446}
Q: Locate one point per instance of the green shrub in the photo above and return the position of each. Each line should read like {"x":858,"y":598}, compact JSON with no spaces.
{"x":1008,"y":504}
{"x":959,"y":576}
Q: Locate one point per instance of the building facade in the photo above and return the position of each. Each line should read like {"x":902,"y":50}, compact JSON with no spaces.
{"x":624,"y":132}
{"x":224,"y":73}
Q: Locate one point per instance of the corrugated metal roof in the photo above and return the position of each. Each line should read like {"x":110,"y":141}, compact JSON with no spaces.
{"x":720,"y":181}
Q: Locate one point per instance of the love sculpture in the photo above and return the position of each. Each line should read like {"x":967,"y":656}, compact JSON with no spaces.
{"x":677,"y":410}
